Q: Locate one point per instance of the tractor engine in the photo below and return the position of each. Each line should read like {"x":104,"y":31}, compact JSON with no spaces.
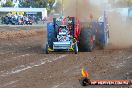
{"x":63,"y":34}
{"x":64,"y":40}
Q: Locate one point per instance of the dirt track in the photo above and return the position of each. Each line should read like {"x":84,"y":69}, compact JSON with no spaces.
{"x":23,"y":64}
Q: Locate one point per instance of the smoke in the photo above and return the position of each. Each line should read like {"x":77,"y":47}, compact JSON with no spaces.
{"x":84,"y":8}
{"x":78,"y":8}
{"x":120,"y":28}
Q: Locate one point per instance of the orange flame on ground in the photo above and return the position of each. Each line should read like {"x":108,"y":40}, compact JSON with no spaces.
{"x":85,"y":73}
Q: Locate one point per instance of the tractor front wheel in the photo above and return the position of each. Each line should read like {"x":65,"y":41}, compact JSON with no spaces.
{"x":75,"y":48}
{"x":46,"y":50}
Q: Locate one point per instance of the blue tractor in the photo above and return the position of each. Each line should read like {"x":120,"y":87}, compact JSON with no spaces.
{"x":61,"y":35}
{"x":67,"y":34}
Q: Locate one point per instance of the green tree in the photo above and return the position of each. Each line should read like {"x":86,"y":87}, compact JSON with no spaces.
{"x":129,"y":2}
{"x":38,"y":4}
{"x":123,"y":3}
{"x":8,"y":4}
{"x":58,"y":7}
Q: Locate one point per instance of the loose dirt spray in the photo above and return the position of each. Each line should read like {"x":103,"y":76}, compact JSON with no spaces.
{"x":120,"y":32}
{"x":120,"y":27}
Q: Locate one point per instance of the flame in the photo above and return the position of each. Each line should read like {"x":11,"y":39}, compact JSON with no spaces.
{"x":85,"y":73}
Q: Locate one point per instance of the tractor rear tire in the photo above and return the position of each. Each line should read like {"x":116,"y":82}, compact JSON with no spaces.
{"x":51,"y":34}
{"x":86,"y":40}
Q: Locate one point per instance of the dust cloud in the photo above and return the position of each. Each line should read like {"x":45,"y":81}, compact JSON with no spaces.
{"x":120,"y":32}
{"x":120,"y":28}
{"x":78,"y":8}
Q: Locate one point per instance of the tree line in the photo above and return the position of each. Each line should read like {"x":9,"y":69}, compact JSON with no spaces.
{"x":32,"y":4}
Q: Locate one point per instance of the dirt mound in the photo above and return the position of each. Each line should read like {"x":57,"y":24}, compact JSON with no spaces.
{"x":12,"y":35}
